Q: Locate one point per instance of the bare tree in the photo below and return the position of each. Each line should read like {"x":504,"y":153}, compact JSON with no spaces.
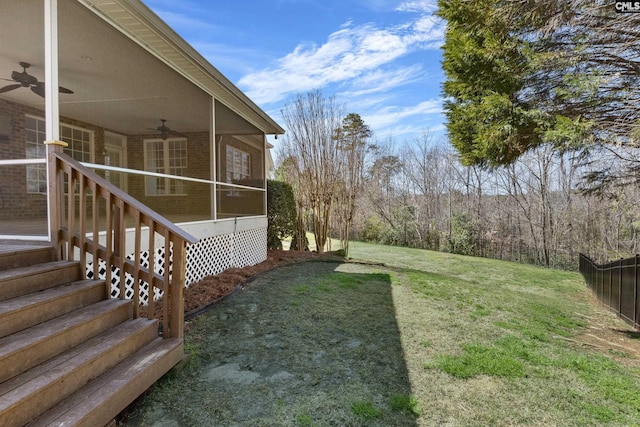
{"x":427,"y":165}
{"x":312,"y":121}
{"x":382,"y":177}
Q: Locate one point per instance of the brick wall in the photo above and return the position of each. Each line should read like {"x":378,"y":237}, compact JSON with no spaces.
{"x":14,"y":200}
{"x":198,"y":198}
{"x":256,"y":156}
{"x":238,"y":203}
{"x":15,"y":203}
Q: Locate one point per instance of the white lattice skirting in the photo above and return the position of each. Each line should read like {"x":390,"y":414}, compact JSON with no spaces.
{"x":207,"y":257}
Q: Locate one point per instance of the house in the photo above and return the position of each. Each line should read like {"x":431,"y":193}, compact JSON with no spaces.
{"x":143,"y":172}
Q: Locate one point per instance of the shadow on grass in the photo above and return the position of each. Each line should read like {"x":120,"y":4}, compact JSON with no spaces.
{"x":304,"y":345}
{"x":634,"y":335}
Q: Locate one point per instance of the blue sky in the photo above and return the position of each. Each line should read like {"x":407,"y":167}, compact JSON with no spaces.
{"x":380,"y":58}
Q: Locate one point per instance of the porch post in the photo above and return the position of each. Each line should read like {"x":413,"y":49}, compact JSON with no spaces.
{"x":52,"y":113}
{"x":52,"y":120}
{"x":213,"y":159}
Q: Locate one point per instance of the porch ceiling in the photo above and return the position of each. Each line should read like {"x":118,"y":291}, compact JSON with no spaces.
{"x":117,"y":84}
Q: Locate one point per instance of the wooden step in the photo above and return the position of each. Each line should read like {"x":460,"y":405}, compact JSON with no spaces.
{"x":25,"y":280}
{"x":15,"y":256}
{"x":101,"y":400}
{"x":23,"y":312}
{"x":25,"y":349}
{"x":28,"y":395}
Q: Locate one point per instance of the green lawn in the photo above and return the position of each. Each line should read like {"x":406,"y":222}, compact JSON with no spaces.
{"x":407,"y":337}
{"x":489,"y":342}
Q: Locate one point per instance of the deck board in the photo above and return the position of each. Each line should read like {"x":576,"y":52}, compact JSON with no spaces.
{"x":15,"y":246}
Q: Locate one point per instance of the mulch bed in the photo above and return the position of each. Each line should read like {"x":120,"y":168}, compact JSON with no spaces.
{"x":211,"y":289}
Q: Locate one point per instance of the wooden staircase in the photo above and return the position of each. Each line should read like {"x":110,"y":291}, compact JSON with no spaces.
{"x":70,"y":355}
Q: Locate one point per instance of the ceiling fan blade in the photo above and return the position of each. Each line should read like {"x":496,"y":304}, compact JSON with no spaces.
{"x":38,"y":89}
{"x":9,"y":87}
{"x":166,"y":131}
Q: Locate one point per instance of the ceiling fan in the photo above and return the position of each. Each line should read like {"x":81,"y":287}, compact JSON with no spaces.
{"x":24,"y":79}
{"x":166,"y":132}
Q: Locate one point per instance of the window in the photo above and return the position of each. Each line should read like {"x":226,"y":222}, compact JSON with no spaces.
{"x":168,"y":157}
{"x":34,"y":142}
{"x":80,"y":142}
{"x":238,"y":165}
{"x":80,"y":148}
{"x":115,"y":154}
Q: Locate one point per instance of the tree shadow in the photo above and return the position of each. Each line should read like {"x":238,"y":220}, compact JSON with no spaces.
{"x":307,"y":344}
{"x":635,"y":335}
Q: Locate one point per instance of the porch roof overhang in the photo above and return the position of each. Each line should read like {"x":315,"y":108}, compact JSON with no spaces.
{"x":127,"y":68}
{"x":140,"y":23}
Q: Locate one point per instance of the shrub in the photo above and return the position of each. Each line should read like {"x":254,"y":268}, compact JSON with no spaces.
{"x":281,"y":213}
{"x":464,"y":235}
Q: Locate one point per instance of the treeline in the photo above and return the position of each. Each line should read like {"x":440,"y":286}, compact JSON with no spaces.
{"x":534,"y":210}
{"x":418,"y":193}
{"x":547,"y":93}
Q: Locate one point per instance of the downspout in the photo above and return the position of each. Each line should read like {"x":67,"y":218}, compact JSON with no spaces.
{"x":264,"y":173}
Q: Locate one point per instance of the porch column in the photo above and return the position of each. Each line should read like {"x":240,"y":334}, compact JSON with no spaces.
{"x":52,"y":119}
{"x":52,"y":113}
{"x":213,"y":159}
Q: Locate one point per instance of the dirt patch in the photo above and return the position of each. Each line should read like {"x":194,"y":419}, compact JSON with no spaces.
{"x":307,"y":344}
{"x":212,"y":288}
{"x":610,"y":335}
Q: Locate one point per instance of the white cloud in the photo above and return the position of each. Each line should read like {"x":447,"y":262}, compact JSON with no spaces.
{"x":408,"y":132}
{"x":348,"y":53}
{"x":392,"y":115}
{"x":417,"y":6}
{"x":379,"y":80}
{"x":427,"y":29}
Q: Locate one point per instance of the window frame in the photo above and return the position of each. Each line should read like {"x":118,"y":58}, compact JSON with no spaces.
{"x":167,"y":166}
{"x":41,"y":150}
{"x":231,"y":160}
{"x":121,"y":147}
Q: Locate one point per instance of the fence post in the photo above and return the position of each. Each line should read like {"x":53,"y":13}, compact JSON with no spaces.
{"x":601,"y":294}
{"x":620,"y":286}
{"x":635,"y":291}
{"x":610,"y":283}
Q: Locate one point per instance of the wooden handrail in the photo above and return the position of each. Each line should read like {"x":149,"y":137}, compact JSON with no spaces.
{"x":75,"y":229}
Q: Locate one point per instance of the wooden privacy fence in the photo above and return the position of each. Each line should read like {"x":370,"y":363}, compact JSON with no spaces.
{"x":615,"y":284}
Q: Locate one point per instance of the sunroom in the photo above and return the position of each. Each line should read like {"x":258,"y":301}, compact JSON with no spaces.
{"x":141,"y":108}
